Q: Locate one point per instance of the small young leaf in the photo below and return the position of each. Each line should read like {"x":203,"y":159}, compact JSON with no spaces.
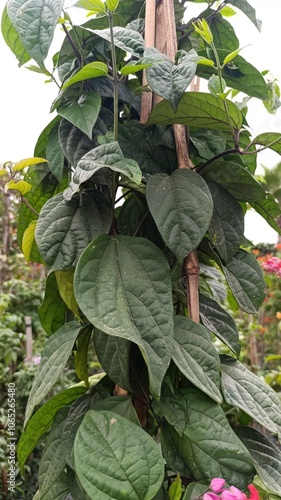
{"x":231,"y":56}
{"x":54,"y":358}
{"x":112,"y":5}
{"x":175,"y":490}
{"x":91,"y":70}
{"x":22,"y":187}
{"x":27,"y":162}
{"x":95,"y":6}
{"x":103,"y":471}
{"x":216,"y":85}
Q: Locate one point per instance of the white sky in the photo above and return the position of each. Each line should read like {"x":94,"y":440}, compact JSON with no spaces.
{"x":26,"y":99}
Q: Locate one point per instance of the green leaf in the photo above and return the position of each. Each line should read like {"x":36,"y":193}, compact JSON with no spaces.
{"x":197,"y":110}
{"x":91,"y":70}
{"x":247,"y":9}
{"x":248,"y":392}
{"x":170,"y":451}
{"x":83,"y":113}
{"x":169,"y":80}
{"x":65,"y":228}
{"x":74,"y":142}
{"x":52,"y":312}
{"x":41,"y":422}
{"x":122,"y":405}
{"x":196,"y":357}
{"x":194,"y":491}
{"x":81,"y":355}
{"x":110,"y":156}
{"x":207,"y":444}
{"x":126,"y":39}
{"x":28,"y":240}
{"x":236,"y":179}
{"x":216,"y":85}
{"x":224,"y":36}
{"x":12,"y":39}
{"x":27,"y":162}
{"x":42,"y":141}
{"x":115,"y":458}
{"x":112,"y":4}
{"x":266,"y":457}
{"x":96,"y":6}
{"x":54,"y":153}
{"x":218,"y":320}
{"x":269,"y":209}
{"x":113,"y":355}
{"x":52,"y":462}
{"x":271,"y":140}
{"x":35,"y":24}
{"x":227,"y":225}
{"x":245,"y":279}
{"x":208,"y":142}
{"x":175,"y":490}
{"x":54,"y":358}
{"x":182,"y":208}
{"x":133,"y":67}
{"x":245,"y":78}
{"x":137,"y":305}
{"x":65,"y":286}
{"x":59,"y":490}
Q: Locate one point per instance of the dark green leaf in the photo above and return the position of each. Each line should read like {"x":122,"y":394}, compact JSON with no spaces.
{"x":197,"y":110}
{"x":129,"y":10}
{"x":248,"y":10}
{"x":271,"y":140}
{"x":131,"y":214}
{"x":122,"y":405}
{"x":65,"y":228}
{"x":42,"y":141}
{"x":266,"y":457}
{"x":52,"y":311}
{"x":224,"y":36}
{"x":113,"y":355}
{"x":227,"y":225}
{"x":208,"y":445}
{"x":208,"y":142}
{"x":83,"y":114}
{"x":35,"y":24}
{"x":126,"y":39}
{"x":194,"y":491}
{"x":52,"y":462}
{"x":220,"y":323}
{"x":245,"y":279}
{"x":74,"y":142}
{"x":40,"y":423}
{"x":236,"y":179}
{"x":139,"y":142}
{"x":115,"y":458}
{"x":246,"y":78}
{"x":54,"y":153}
{"x":12,"y":39}
{"x":81,"y":355}
{"x":170,"y":451}
{"x":123,"y":286}
{"x":248,"y":392}
{"x":182,"y":208}
{"x":169,"y":80}
{"x":269,"y":209}
{"x":54,"y":358}
{"x":196,"y":357}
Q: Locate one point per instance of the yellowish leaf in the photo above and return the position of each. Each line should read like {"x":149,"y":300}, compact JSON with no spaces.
{"x":3,"y":172}
{"x":27,"y":162}
{"x":22,"y":187}
{"x":65,"y":285}
{"x":28,"y":240}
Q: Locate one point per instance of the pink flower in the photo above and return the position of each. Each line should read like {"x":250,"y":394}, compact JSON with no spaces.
{"x":254,"y":494}
{"x":239,"y":495}
{"x":272,"y":265}
{"x":217,"y":484}
{"x":227,"y":495}
{"x":210,"y":496}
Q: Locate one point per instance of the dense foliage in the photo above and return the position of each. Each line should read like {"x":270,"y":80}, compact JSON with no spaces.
{"x":124,"y":232}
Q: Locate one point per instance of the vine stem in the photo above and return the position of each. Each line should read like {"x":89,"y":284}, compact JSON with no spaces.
{"x":115,"y":103}
{"x":24,"y":200}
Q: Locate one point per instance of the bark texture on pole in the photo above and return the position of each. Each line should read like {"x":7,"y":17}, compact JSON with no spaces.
{"x":165,"y":36}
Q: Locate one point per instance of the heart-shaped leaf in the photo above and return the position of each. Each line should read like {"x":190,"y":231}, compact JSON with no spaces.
{"x":123,"y":286}
{"x":83,"y":113}
{"x":125,"y":38}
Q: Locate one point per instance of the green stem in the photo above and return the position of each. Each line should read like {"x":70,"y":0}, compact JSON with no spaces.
{"x":115,"y":77}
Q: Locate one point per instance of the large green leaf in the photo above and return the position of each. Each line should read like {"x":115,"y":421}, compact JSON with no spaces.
{"x":224,"y":36}
{"x":196,"y":357}
{"x":236,"y":179}
{"x":271,"y":140}
{"x":115,"y":458}
{"x":266,"y":457}
{"x":207,"y":444}
{"x":54,"y":358}
{"x":74,"y":142}
{"x":139,"y":142}
{"x":245,"y":279}
{"x":54,"y":153}
{"x":245,"y":78}
{"x":35,"y":22}
{"x":42,"y":141}
{"x":123,"y":286}
{"x":170,"y":451}
{"x":113,"y":355}
{"x":208,"y":143}
{"x":244,"y":389}
{"x":247,"y":9}
{"x":170,"y":80}
{"x":182,"y":208}
{"x":52,"y":311}
{"x":52,"y":462}
{"x":41,"y":422}
{"x":65,"y":228}
{"x":126,"y":39}
{"x":227,"y":225}
{"x":59,"y":490}
{"x":198,"y":110}
{"x":269,"y":209}
{"x":107,"y":155}
{"x":12,"y":39}
{"x":218,"y":320}
{"x":122,"y":405}
{"x":83,"y":113}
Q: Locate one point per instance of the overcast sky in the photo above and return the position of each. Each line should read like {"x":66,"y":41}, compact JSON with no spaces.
{"x":26,"y":99}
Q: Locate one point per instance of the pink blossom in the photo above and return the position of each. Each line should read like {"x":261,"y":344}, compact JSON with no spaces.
{"x":227,"y":495}
{"x":217,"y":484}
{"x":239,"y":495}
{"x":254,"y":494}
{"x":36,"y":360}
{"x":272,"y":265}
{"x":210,"y":496}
